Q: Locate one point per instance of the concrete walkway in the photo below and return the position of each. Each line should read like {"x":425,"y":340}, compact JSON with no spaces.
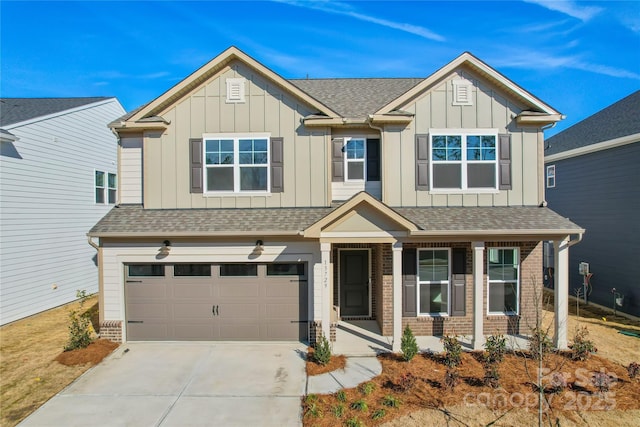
{"x":356,"y":371}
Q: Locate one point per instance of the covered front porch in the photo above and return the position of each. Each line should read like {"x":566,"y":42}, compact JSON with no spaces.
{"x":368,"y":286}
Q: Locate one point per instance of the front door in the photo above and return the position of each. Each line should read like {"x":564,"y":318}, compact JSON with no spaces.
{"x":354,"y":283}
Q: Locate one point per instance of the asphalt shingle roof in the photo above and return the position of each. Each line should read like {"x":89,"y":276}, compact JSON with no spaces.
{"x":132,"y":220}
{"x":356,"y":98}
{"x":15,"y":110}
{"x":615,"y":121}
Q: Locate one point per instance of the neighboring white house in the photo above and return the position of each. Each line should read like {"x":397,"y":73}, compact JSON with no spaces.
{"x":57,"y":178}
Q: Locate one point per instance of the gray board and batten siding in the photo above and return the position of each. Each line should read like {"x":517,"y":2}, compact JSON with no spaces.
{"x":601,"y":192}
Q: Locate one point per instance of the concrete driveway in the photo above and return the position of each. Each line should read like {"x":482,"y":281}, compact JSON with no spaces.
{"x":185,"y":384}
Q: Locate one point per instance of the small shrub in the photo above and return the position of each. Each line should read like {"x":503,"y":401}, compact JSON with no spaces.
{"x":452,"y":351}
{"x":491,"y":376}
{"x":408,"y":344}
{"x":601,"y":381}
{"x":406,"y":382}
{"x":354,"y":422}
{"x":341,"y":396}
{"x":80,"y":327}
{"x":496,"y":347}
{"x":322,"y":351}
{"x":391,"y":401}
{"x":558,"y":382}
{"x":582,"y":346}
{"x":378,"y":414}
{"x":310,"y":398}
{"x":539,"y":343}
{"x":338,"y":410}
{"x":312,"y":411}
{"x":633,"y":369}
{"x":451,"y":378}
{"x":360,"y":405}
{"x":367,"y":388}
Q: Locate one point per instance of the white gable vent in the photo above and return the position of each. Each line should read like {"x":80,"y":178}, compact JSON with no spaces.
{"x":462,"y":92}
{"x":235,"y":90}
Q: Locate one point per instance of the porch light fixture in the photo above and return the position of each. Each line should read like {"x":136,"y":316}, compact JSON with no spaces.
{"x":259,"y":246}
{"x":165,"y":248}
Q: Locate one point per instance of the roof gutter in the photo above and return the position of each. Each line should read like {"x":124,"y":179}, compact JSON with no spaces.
{"x":154,"y":234}
{"x":536,"y":232}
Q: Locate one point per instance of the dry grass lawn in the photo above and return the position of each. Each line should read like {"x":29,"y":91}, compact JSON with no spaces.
{"x":29,"y":376}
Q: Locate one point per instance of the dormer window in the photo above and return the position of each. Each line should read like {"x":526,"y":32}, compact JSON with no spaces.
{"x":235,"y":90}
{"x":462,"y":92}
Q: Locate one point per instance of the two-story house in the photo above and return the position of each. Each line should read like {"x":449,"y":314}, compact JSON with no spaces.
{"x":259,"y":208}
{"x":58,"y":176}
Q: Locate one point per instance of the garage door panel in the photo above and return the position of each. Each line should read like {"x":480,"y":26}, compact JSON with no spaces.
{"x":147,"y":331}
{"x":194,"y":332}
{"x":240,"y":332}
{"x":186,"y":310}
{"x":199,"y":290}
{"x":279,"y":331}
{"x":280,"y":289}
{"x":239,"y":289}
{"x":241,"y":312}
{"x":147,"y":291}
{"x":283,"y":311}
{"x":148,"y":310}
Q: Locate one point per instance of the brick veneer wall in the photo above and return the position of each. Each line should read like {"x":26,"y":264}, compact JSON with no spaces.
{"x":111,"y":330}
{"x":530,"y":286}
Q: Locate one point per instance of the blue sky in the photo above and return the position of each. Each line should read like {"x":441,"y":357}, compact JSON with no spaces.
{"x":578,"y":56}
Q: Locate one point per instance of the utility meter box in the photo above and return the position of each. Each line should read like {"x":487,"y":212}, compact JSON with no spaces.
{"x":583,"y":268}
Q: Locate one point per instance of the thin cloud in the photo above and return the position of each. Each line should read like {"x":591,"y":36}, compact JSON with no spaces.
{"x":119,"y":75}
{"x":340,"y":8}
{"x":536,"y":60}
{"x":569,"y":7}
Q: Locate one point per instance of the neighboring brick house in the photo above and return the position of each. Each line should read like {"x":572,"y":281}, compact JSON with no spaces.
{"x":57,"y":178}
{"x":259,"y":208}
{"x":593,"y":178}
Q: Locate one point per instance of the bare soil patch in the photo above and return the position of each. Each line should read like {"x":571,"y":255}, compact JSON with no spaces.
{"x":93,"y":354}
{"x":29,"y":374}
{"x":336,"y":362}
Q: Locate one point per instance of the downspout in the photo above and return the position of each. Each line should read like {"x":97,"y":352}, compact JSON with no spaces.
{"x":95,"y":246}
{"x":542,"y":189}
{"x":119,"y":151}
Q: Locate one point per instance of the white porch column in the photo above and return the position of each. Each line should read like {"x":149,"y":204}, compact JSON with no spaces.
{"x":561,"y":293}
{"x":478,"y":295}
{"x":397,"y":296}
{"x":325,"y":249}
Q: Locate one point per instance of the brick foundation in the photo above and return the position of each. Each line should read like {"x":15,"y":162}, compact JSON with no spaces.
{"x":111,"y":330}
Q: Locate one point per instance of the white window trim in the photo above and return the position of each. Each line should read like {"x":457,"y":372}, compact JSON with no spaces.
{"x":464,"y":133}
{"x":457,"y":94}
{"x":551,"y":175}
{"x":420,"y":282}
{"x":105,"y":188}
{"x":236,"y":166}
{"x":347,"y":161}
{"x":238,"y":83}
{"x":489,"y":282}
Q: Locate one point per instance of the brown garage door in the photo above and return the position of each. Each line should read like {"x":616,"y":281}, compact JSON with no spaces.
{"x":235,"y":302}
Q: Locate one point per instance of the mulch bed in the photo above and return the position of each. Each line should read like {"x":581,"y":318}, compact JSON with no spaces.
{"x":335,"y":363}
{"x":419,"y":384}
{"x":93,"y":354}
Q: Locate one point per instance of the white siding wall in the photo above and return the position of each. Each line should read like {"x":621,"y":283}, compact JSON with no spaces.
{"x":116,"y":255}
{"x":130,"y":169}
{"x":47,"y":206}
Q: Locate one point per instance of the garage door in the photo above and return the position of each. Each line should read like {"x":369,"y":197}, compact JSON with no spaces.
{"x":243,"y":302}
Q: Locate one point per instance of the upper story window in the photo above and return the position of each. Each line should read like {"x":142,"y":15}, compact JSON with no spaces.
{"x":105,"y":187}
{"x":433,"y":282}
{"x":236,"y":163}
{"x":464,"y":160}
{"x":551,"y":176}
{"x":503,"y":269}
{"x":355,"y":165}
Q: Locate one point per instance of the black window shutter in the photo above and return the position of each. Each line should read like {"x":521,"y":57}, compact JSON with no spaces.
{"x":337,"y":160}
{"x":409,"y":282}
{"x":277,"y":162}
{"x":373,"y":159}
{"x":504,"y":166}
{"x":458,"y":285}
{"x":195,"y":157}
{"x":422,"y":162}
